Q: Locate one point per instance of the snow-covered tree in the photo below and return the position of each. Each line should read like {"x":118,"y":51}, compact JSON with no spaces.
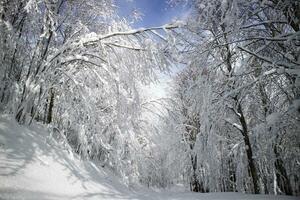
{"x":81,"y":72}
{"x":241,"y":77}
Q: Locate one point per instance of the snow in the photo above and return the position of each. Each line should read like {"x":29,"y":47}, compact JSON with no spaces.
{"x":296,"y":104}
{"x":89,"y":37}
{"x":280,"y":70}
{"x":29,"y":6}
{"x":35,"y":166}
{"x":273,"y":118}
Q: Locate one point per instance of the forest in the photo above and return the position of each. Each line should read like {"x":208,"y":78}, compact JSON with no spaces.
{"x":230,"y":121}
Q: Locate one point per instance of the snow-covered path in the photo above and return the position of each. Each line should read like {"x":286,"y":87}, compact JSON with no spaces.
{"x":33,"y":166}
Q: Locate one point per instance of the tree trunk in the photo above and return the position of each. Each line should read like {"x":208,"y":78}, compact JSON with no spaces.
{"x":226,"y":56}
{"x":50,"y":107}
{"x":281,"y":174}
{"x":196,"y":185}
{"x":251,"y":163}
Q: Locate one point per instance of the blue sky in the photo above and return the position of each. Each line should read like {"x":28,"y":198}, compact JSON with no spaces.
{"x":155,"y":12}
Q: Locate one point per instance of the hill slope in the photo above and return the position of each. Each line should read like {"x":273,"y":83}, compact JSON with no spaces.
{"x":33,"y":166}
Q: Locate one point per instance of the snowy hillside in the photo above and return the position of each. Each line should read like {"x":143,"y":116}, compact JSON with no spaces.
{"x":33,"y":167}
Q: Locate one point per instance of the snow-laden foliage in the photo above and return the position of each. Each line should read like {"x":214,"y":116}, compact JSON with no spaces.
{"x":81,"y":72}
{"x":236,"y":112}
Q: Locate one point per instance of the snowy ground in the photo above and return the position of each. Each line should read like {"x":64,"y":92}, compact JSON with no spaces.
{"x":33,"y":166}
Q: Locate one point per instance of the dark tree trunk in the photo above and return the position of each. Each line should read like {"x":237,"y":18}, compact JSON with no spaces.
{"x":251,"y":163}
{"x":196,"y":185}
{"x":50,"y":107}
{"x":281,"y":174}
{"x":232,"y":176}
{"x":252,"y":168}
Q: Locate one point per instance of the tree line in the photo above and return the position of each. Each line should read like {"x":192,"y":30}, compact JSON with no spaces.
{"x":230,"y":123}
